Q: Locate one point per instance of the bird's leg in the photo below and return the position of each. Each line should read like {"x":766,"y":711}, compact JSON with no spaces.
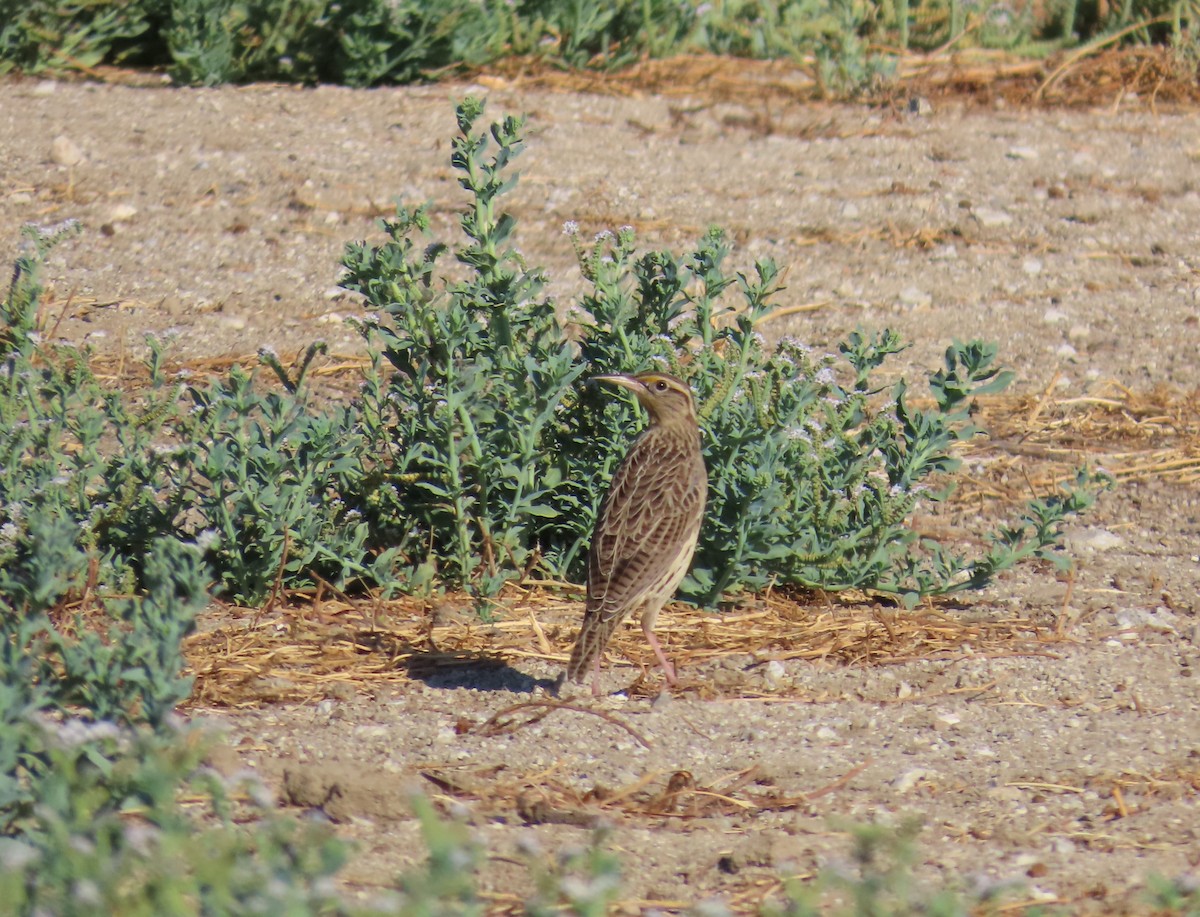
{"x":667,"y":668}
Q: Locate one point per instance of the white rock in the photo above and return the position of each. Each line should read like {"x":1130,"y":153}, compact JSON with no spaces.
{"x":1161,"y":619}
{"x":909,"y":779}
{"x":65,"y":151}
{"x":1066,"y":352}
{"x":1022,"y":152}
{"x":990,"y":217}
{"x":1094,"y":540}
{"x":915,"y":298}
{"x":1032,"y":266}
{"x":775,"y":675}
{"x":122,"y":213}
{"x":850,"y":210}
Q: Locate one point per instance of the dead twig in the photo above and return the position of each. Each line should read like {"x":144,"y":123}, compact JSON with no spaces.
{"x":498,"y":724}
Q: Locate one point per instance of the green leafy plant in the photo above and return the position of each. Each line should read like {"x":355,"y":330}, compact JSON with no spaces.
{"x":1179,"y":895}
{"x":481,"y":372}
{"x":495,"y":457}
{"x":582,"y":880}
{"x":372,"y":42}
{"x":474,"y":454}
{"x":877,"y":880}
{"x":41,"y":35}
{"x":254,"y":475}
{"x":91,"y":822}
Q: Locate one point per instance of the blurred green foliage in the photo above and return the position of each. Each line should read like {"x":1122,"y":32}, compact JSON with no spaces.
{"x":372,"y":42}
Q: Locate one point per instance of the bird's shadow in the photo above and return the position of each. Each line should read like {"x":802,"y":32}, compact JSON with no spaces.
{"x":449,"y":669}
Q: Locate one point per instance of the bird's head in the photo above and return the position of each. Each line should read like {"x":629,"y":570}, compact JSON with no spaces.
{"x":665,"y":397}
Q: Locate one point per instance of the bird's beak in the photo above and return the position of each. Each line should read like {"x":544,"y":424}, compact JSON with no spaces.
{"x":620,"y":380}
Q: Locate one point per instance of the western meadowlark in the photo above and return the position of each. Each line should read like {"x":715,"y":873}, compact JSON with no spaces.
{"x":646,"y":534}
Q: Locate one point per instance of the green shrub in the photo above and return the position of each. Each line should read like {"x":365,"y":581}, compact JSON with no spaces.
{"x":253,"y":475}
{"x":56,"y":36}
{"x":496,"y":457}
{"x":474,"y":454}
{"x":91,"y":822}
{"x":372,"y":42}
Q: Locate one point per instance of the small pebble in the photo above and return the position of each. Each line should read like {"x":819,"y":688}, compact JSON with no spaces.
{"x":909,"y":779}
{"x":915,"y":298}
{"x":1094,"y":540}
{"x":65,"y":151}
{"x":122,"y":213}
{"x":990,"y":218}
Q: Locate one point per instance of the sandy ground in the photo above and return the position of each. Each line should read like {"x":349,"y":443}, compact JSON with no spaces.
{"x":1065,"y":757}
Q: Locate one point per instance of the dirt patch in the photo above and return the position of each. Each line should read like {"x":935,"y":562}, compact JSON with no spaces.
{"x":1048,"y":732}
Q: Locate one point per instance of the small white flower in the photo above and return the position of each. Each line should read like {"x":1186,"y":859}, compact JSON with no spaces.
{"x":15,"y":856}
{"x":87,"y":893}
{"x":570,"y":228}
{"x":140,"y":837}
{"x":209,"y":538}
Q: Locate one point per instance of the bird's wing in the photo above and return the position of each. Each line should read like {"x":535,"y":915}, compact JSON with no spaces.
{"x":650,"y":516}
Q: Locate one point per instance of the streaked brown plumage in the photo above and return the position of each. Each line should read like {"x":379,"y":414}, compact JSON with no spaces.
{"x":646,"y":534}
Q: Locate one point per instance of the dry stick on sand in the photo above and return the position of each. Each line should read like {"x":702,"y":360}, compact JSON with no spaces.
{"x":496,"y":724}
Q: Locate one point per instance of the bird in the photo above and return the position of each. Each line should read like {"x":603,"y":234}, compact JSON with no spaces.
{"x":648,"y":525}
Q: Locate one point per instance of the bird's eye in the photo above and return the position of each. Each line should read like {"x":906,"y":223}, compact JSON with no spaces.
{"x":660,"y":386}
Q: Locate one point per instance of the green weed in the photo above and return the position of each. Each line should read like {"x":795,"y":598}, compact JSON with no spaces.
{"x":495,"y":456}
{"x":474,"y":455}
{"x":373,"y":42}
